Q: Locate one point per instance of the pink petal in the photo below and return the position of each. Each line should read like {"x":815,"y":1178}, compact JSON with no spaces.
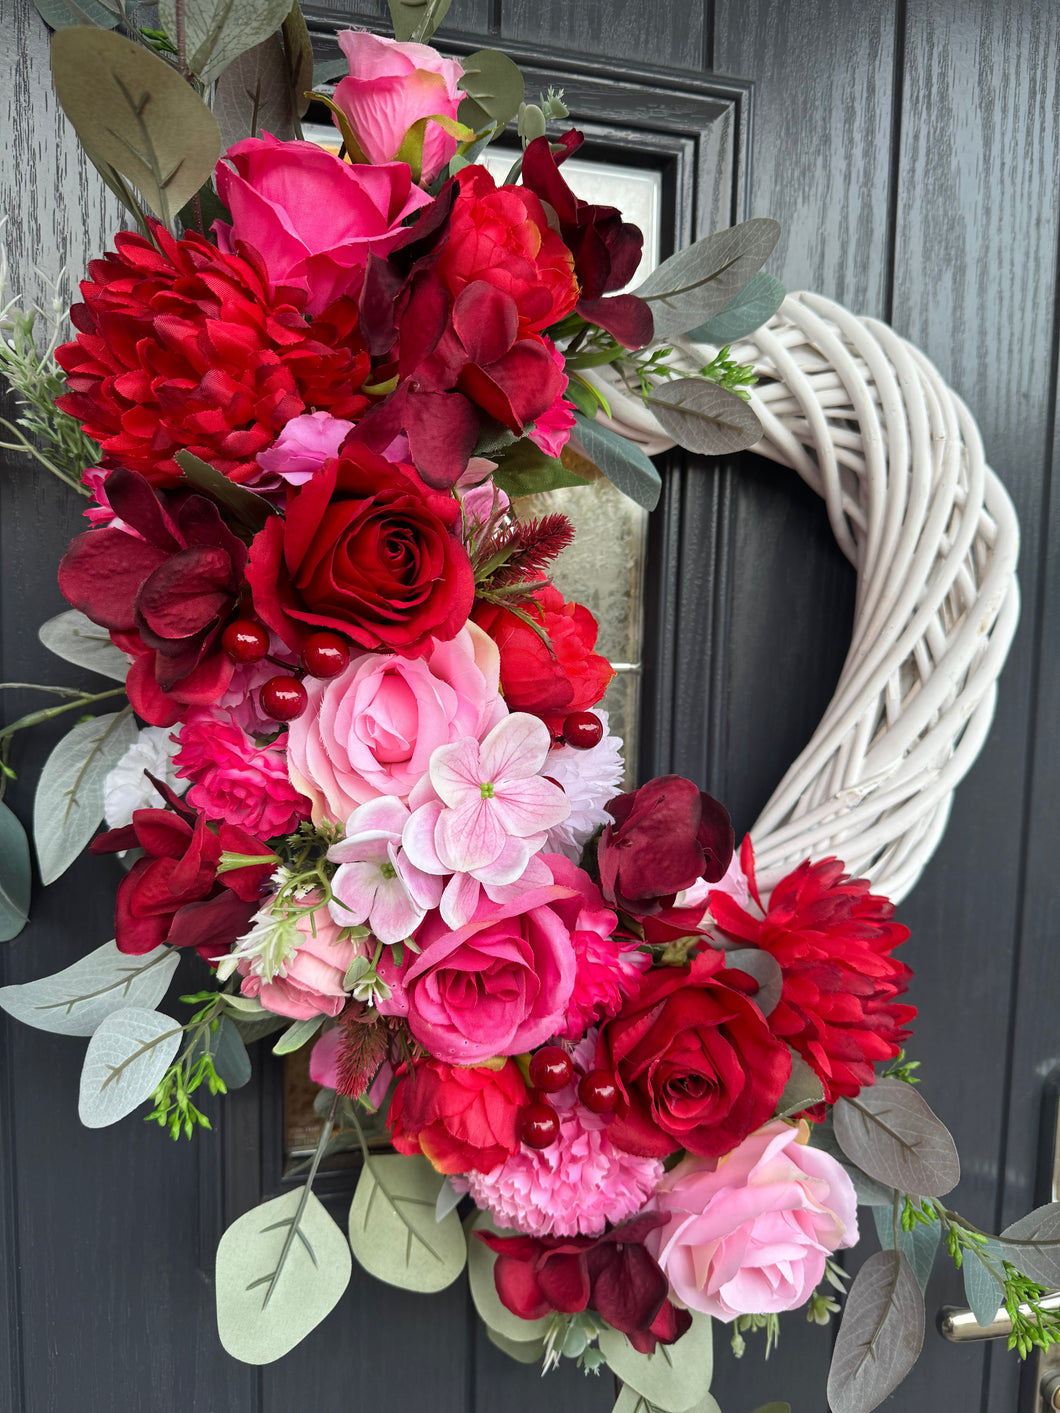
{"x":456,"y":773}
{"x":509,"y":865}
{"x":515,"y":748}
{"x":470,"y":837}
{"x":417,"y":838}
{"x":394,"y":916}
{"x":525,"y":807}
{"x":459,"y":900}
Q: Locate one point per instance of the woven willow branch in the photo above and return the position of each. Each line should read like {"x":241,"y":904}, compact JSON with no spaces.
{"x":865,"y":419}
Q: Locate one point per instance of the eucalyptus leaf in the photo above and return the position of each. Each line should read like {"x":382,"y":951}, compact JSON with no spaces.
{"x":528,"y":1352}
{"x":493,"y":1314}
{"x":75,"y":638}
{"x":14,"y":876}
{"x":694,"y":285}
{"x":754,"y":306}
{"x":983,"y":1290}
{"x":448,"y":1200}
{"x":69,"y":802}
{"x":1033,"y":1245}
{"x":417,"y":19}
{"x":134,"y":112}
{"x":868,"y":1191}
{"x":774,"y":1408}
{"x":676,"y":1377}
{"x":621,"y":461}
{"x":394,"y":1232}
{"x":281,"y":1269}
{"x":891,"y":1132}
{"x":229,"y":1053}
{"x":127,"y":1056}
{"x":218,"y":31}
{"x":763,"y":968}
{"x":244,"y":1005}
{"x":881,"y":1335}
{"x":298,"y":50}
{"x":329,"y":71}
{"x":296,"y":1035}
{"x":253,"y":1028}
{"x":802,"y":1091}
{"x":494,"y":88}
{"x":77,"y":1000}
{"x":918,"y":1246}
{"x":245,"y":508}
{"x":254,"y":94}
{"x":704,"y":417}
{"x":59,"y":14}
{"x":525,"y":470}
{"x":630,"y":1401}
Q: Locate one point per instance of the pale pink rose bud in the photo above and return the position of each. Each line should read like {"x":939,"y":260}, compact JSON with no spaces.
{"x":304,"y":445}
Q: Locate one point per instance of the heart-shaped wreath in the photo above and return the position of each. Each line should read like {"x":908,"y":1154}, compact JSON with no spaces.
{"x":305,"y":399}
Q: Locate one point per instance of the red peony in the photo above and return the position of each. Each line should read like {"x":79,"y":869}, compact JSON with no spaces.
{"x":665,"y":836}
{"x":165,"y":584}
{"x":368,"y":550}
{"x":184,"y":347}
{"x":173,"y":893}
{"x":833,"y":940}
{"x":463,"y":1118}
{"x":547,"y":681}
{"x":696,"y":1063}
{"x":613,"y":1274}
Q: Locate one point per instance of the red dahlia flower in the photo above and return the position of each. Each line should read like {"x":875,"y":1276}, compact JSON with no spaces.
{"x":833,"y":941}
{"x":165,"y":585}
{"x":181,"y":346}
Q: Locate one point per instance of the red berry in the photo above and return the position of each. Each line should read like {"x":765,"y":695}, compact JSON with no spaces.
{"x":540,"y":1125}
{"x":245,"y":641}
{"x":598,"y":1091}
{"x":325,"y":654}
{"x":583,"y":730}
{"x":550,"y":1069}
{"x":283,"y":698}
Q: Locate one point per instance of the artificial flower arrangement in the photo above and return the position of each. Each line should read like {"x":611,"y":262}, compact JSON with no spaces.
{"x":376,"y":792}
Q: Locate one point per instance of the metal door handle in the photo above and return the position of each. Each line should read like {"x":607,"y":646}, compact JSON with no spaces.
{"x":959,"y":1325}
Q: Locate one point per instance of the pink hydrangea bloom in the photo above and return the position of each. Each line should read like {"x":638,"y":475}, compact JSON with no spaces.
{"x":552,"y":430}
{"x":375,"y":882}
{"x":233,"y":779}
{"x":576,"y":1185}
{"x":303,"y":446}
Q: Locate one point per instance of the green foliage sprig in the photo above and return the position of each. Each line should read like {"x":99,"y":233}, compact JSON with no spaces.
{"x":193,"y":1067}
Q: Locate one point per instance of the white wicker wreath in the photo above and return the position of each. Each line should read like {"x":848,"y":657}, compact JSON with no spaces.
{"x":866,"y":420}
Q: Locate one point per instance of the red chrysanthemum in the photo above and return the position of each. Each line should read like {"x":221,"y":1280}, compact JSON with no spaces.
{"x":180,"y":346}
{"x":833,"y":940}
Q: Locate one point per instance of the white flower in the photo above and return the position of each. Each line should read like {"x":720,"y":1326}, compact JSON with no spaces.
{"x":589,"y":779}
{"x":127,"y":788}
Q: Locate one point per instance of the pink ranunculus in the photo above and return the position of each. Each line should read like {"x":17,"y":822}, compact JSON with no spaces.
{"x":552,"y":430}
{"x":371,"y":731}
{"x":311,"y":983}
{"x":233,"y":779}
{"x":498,"y":986}
{"x":303,"y":446}
{"x":312,"y":218}
{"x":391,"y":86}
{"x":749,"y":1233}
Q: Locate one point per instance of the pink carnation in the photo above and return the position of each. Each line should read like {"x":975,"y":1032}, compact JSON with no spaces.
{"x":552,"y":430}
{"x":236,"y":781}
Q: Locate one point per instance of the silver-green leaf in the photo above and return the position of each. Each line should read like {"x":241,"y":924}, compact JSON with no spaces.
{"x":754,"y":306}
{"x":918,"y":1245}
{"x":76,"y":639}
{"x":763,"y":968}
{"x":891,"y":1133}
{"x":14,"y":875}
{"x":526,"y":1352}
{"x":68,"y":805}
{"x":630,"y":1401}
{"x":132,"y":111}
{"x":1033,"y":1245}
{"x":296,"y":1035}
{"x":60,"y":14}
{"x":281,"y":1269}
{"x":417,"y":19}
{"x":254,"y":94}
{"x":75,"y":1001}
{"x":983,"y":1289}
{"x":676,"y":1377}
{"x":393,"y":1229}
{"x":621,"y":461}
{"x":802,"y":1091}
{"x":694,"y":285}
{"x":704,"y":417}
{"x":218,"y":31}
{"x":494,"y":89}
{"x":881,"y":1335}
{"x":126,"y":1058}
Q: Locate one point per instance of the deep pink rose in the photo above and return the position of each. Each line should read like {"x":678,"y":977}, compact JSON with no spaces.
{"x":391,"y":86}
{"x":235,"y":780}
{"x":303,"y":446}
{"x":749,"y":1233}
{"x":497,"y":986}
{"x":312,"y":985}
{"x":371,"y":730}
{"x":312,"y":218}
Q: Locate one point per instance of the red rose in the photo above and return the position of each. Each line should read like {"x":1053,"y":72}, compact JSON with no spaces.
{"x":549,"y":684}
{"x":613,"y":1274}
{"x":368,"y":550}
{"x":173,"y":893}
{"x":665,"y":836}
{"x":165,"y":586}
{"x":463,"y":1118}
{"x":696,"y":1063}
{"x":833,"y":940}
{"x":182,"y":346}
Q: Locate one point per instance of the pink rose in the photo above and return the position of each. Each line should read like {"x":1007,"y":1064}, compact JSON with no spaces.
{"x":392,"y":86}
{"x":304,"y":445}
{"x":313,"y":973}
{"x":371,"y":730}
{"x":497,"y":986}
{"x":233,"y":779}
{"x":312,"y":218}
{"x":749,"y":1233}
